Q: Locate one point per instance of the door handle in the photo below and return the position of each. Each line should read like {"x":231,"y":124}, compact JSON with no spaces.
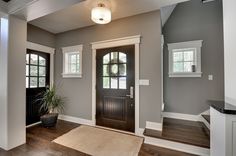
{"x":131,"y":90}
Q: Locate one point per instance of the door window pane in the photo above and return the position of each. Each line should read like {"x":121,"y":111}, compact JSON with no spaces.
{"x":33,"y":71}
{"x":114,"y":70}
{"x":33,"y":82}
{"x":33,"y":59}
{"x":42,"y":71}
{"x":122,"y":58}
{"x":122,"y":83}
{"x":105,"y":70}
{"x":27,"y":58}
{"x":122,"y":70}
{"x":114,"y":82}
{"x":27,"y":82}
{"x":106,"y":59}
{"x":42,"y":61}
{"x":114,"y":57}
{"x":27,"y":70}
{"x":42,"y":82}
{"x":106,"y":82}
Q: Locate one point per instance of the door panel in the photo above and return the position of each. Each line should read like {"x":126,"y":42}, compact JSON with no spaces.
{"x":115,"y":83}
{"x":37,"y":79}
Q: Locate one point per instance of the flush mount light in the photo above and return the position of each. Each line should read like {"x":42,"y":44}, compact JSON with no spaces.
{"x":101,"y":14}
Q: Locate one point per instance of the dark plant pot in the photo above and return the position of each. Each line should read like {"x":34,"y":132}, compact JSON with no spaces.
{"x":49,"y":120}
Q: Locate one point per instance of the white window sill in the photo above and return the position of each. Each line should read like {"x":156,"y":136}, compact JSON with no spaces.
{"x":195,"y":74}
{"x":67,"y":75}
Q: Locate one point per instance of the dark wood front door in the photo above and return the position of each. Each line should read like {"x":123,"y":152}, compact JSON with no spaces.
{"x":37,"y":79}
{"x":115,"y":102}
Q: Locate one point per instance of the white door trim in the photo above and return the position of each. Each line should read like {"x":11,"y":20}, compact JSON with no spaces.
{"x":132,"y":40}
{"x":45,"y":49}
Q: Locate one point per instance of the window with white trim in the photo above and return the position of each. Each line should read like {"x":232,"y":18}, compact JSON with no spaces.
{"x":185,"y":59}
{"x":72,"y":61}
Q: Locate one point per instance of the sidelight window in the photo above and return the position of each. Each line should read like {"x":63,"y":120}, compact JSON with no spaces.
{"x":115,"y":70}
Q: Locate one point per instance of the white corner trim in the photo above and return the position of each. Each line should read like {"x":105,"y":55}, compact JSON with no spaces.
{"x":39,"y":47}
{"x":181,"y":116}
{"x":117,"y":42}
{"x":202,"y":119}
{"x":76,"y":120}
{"x":45,"y":49}
{"x":154,"y":126}
{"x":177,"y":146}
{"x":132,"y":40}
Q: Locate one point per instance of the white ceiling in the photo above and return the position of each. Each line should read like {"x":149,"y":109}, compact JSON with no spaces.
{"x":78,"y":15}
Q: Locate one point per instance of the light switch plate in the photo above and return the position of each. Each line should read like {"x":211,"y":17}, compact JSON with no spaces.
{"x":144,"y":82}
{"x":210,"y":77}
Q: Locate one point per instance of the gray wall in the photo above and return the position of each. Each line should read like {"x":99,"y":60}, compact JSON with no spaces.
{"x":79,"y":91}
{"x":195,"y":21}
{"x":40,"y":36}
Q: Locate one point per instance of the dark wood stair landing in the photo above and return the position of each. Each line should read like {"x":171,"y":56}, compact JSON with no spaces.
{"x":187,"y":132}
{"x":207,"y":118}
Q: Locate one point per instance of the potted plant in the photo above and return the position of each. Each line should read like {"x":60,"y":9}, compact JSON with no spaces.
{"x":51,"y":105}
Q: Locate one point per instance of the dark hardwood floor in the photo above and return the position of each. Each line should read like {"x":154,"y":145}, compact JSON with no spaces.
{"x":188,"y":132}
{"x":39,"y":143}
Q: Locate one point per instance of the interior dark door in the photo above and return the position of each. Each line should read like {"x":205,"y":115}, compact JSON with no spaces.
{"x":37,"y":79}
{"x":115,"y":102}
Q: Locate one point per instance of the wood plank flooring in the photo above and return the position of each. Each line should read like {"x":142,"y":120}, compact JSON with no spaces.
{"x":188,"y":132}
{"x":39,"y":144}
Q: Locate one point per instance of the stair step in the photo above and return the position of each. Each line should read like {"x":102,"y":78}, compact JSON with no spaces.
{"x":187,"y":132}
{"x":207,"y":118}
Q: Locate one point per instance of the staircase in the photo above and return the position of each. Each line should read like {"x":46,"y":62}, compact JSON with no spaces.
{"x":187,"y":136}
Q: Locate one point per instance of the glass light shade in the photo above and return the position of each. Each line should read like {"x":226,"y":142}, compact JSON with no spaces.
{"x":101,"y":15}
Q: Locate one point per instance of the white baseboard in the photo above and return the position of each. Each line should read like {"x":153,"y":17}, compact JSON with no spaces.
{"x":181,"y":116}
{"x":205,"y":122}
{"x":34,"y":124}
{"x":154,"y":125}
{"x":76,"y":120}
{"x":177,"y":146}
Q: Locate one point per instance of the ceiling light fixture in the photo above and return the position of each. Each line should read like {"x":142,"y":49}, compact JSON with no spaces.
{"x":101,"y":14}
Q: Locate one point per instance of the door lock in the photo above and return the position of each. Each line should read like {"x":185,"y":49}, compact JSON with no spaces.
{"x":131,"y":90}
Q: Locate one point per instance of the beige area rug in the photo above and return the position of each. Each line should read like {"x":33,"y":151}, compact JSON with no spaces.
{"x":100,"y":142}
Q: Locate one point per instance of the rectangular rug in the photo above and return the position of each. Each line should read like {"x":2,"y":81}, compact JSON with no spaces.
{"x":100,"y":142}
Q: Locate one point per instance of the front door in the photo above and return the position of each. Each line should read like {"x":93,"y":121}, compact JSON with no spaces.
{"x":37,"y":79}
{"x":115,"y":102}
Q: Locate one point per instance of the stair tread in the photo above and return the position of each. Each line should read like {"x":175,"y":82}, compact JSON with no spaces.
{"x":187,"y":132}
{"x":207,"y":118}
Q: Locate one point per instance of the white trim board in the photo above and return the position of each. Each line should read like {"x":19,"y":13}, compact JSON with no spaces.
{"x":181,"y":116}
{"x":154,"y":126}
{"x":76,"y":120}
{"x":131,"y":40}
{"x":177,"y":146}
{"x":34,"y":124}
{"x":45,"y":49}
